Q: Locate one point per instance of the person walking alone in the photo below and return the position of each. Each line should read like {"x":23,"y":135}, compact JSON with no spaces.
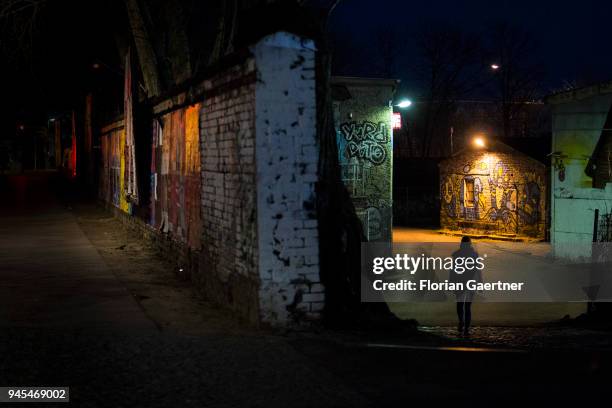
{"x":464,"y":297}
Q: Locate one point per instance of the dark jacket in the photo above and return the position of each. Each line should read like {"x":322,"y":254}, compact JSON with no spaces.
{"x":466,"y":250}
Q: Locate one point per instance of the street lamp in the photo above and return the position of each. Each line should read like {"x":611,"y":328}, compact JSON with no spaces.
{"x":405,"y":103}
{"x":479,"y":142}
{"x":494,"y":67}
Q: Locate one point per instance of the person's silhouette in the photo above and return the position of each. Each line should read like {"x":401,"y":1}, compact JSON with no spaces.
{"x":464,"y":297}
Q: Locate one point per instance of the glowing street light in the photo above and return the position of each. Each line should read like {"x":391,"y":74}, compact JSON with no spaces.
{"x":494,"y":67}
{"x":405,"y":103}
{"x":479,"y":142}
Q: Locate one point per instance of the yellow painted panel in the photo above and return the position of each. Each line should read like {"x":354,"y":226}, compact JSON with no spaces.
{"x":123,"y":204}
{"x":192,"y":140}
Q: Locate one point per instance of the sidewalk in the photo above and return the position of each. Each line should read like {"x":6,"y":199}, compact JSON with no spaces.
{"x":53,"y":277}
{"x":94,"y":308}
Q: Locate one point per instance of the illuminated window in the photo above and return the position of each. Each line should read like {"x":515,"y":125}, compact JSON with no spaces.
{"x":468,"y":193}
{"x":397,"y":120}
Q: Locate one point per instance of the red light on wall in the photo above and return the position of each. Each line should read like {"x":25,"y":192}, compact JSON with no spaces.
{"x":397,"y":120}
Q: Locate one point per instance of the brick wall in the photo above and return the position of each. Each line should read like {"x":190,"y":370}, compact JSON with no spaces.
{"x":229,"y":223}
{"x":259,"y":168}
{"x":258,"y":252}
{"x":287,"y":161}
{"x":174,"y":204}
{"x":509,"y":196}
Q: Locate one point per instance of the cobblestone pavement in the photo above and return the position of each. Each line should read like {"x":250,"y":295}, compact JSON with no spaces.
{"x":529,"y":338}
{"x":104,"y":370}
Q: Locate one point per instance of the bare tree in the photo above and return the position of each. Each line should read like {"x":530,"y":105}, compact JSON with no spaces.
{"x":348,"y":55}
{"x":177,"y":55}
{"x":519,"y":77}
{"x":449,"y":65}
{"x":18,"y":20}
{"x":144,"y":48}
{"x":389,"y":47}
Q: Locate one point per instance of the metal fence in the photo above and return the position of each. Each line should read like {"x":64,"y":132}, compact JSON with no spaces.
{"x":603,"y":230}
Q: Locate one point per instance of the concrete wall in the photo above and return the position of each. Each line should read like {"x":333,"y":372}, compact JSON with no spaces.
{"x":578,"y":120}
{"x":509,"y":193}
{"x":365,"y":146}
{"x":247,"y":136}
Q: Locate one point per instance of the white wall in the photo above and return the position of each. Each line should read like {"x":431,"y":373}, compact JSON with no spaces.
{"x":286,"y":161}
{"x":577,"y":126}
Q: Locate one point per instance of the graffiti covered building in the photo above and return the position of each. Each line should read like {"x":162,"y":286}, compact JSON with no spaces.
{"x":493,"y":191}
{"x":362,"y":114}
{"x":218,"y":191}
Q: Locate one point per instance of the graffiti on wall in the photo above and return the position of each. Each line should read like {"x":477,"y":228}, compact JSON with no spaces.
{"x":529,"y":203}
{"x":363,"y":148}
{"x":112,"y":175}
{"x":503,"y":196}
{"x":366,"y":140}
{"x":175,"y":175}
{"x":497,"y":196}
{"x":373,"y":220}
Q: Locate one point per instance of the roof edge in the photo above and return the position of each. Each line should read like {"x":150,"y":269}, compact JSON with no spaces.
{"x":347,"y":80}
{"x":601,"y":88}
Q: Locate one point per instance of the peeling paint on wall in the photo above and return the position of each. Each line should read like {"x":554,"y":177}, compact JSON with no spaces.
{"x":175,"y":175}
{"x":112,"y":176}
{"x":174,"y":178}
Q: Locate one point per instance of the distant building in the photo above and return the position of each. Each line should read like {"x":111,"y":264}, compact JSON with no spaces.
{"x":581,"y":192}
{"x":493,"y":190}
{"x":435,"y":130}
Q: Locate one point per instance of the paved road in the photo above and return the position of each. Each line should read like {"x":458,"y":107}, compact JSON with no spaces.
{"x":53,"y":276}
{"x":486,"y":314}
{"x":73,"y":315}
{"x":68,"y":318}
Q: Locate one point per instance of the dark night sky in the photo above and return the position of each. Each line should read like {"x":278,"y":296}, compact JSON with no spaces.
{"x":68,"y":36}
{"x":573,"y":37}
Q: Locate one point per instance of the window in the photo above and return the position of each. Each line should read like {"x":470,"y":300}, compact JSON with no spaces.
{"x":468,"y":193}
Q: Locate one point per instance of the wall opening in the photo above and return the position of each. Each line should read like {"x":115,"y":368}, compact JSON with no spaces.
{"x":468,"y":189}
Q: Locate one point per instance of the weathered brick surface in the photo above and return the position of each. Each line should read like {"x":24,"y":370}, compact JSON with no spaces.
{"x":229,"y":269}
{"x":509,"y":193}
{"x":287,"y":161}
{"x":259,"y":248}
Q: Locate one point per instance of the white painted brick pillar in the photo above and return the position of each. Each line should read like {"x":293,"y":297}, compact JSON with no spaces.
{"x":286,"y":171}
